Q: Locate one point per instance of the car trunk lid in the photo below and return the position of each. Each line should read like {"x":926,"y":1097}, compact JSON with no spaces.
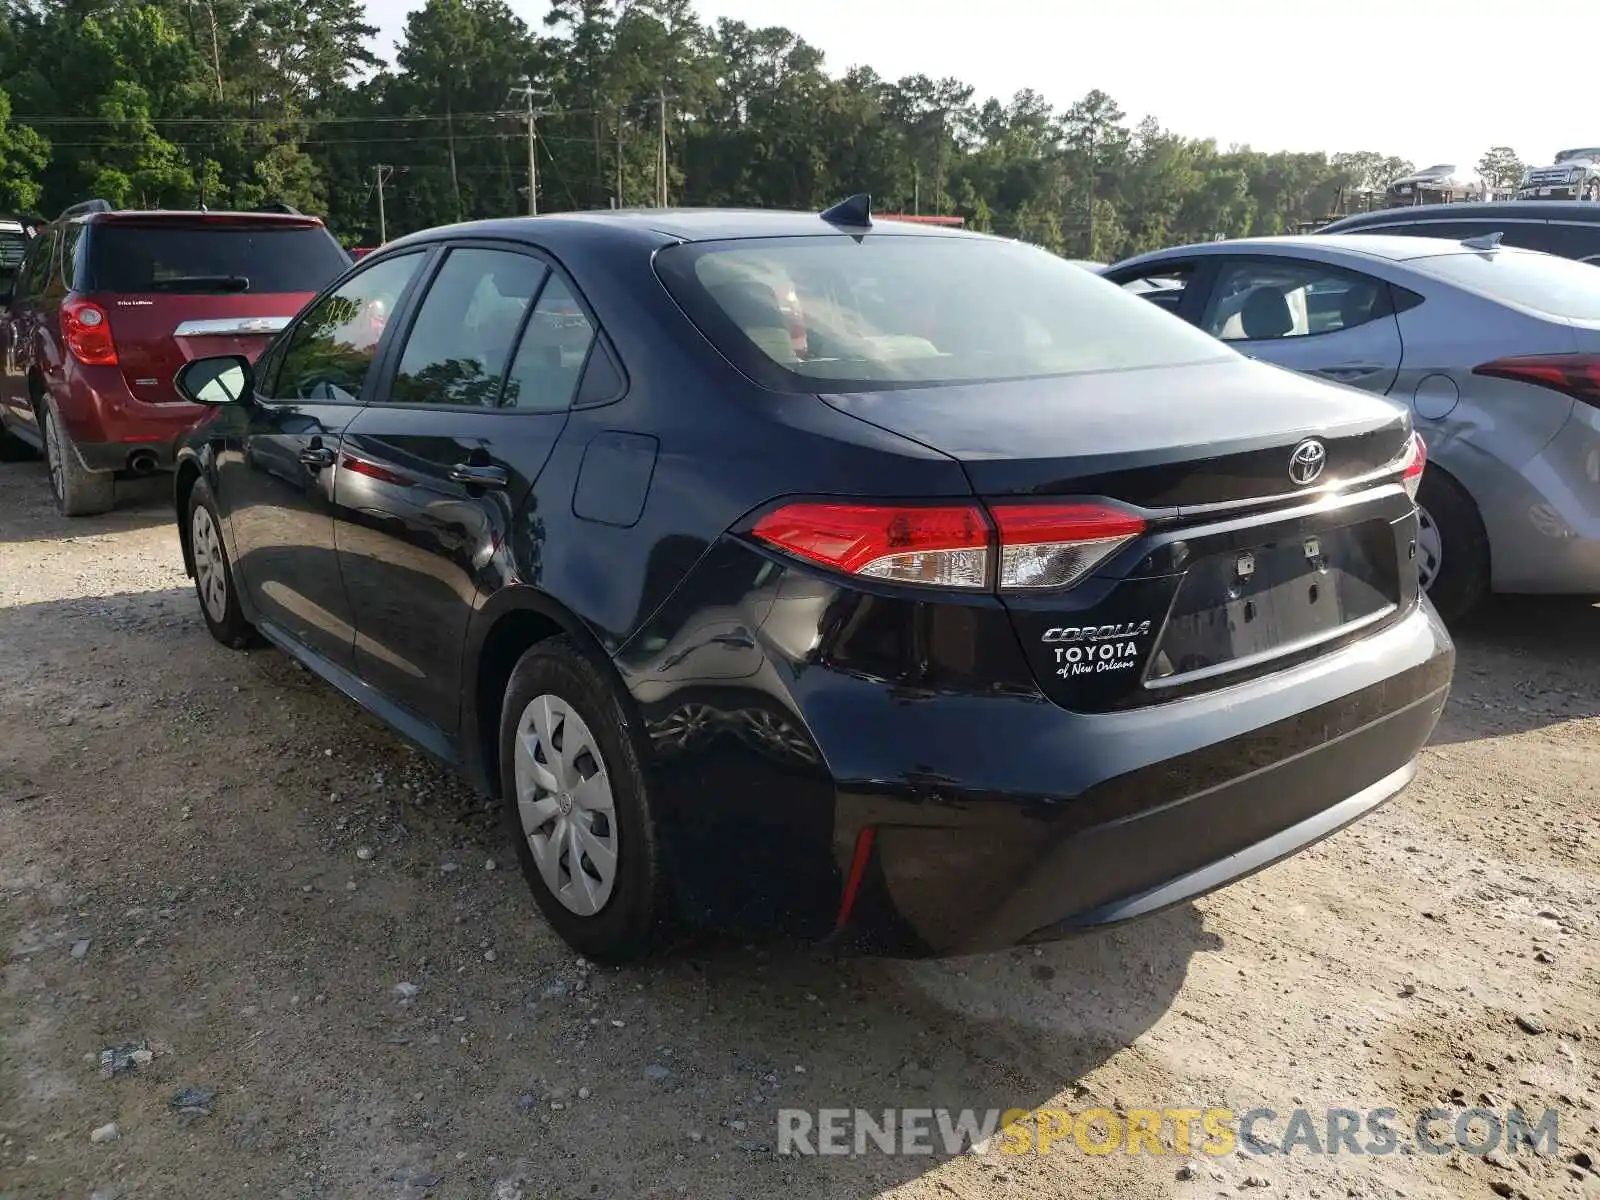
{"x":156,"y":333}
{"x":1171,"y":438}
{"x":176,"y":287}
{"x":1239,"y":567}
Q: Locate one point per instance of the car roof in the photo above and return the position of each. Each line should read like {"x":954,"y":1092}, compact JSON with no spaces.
{"x":1471,"y":210}
{"x":677,"y":225}
{"x":1348,"y":247}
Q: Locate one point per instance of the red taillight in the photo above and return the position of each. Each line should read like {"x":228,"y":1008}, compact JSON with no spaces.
{"x":1055,"y":545}
{"x":1575,"y":375}
{"x":1412,"y":461}
{"x":942,"y":546}
{"x":1040,"y":545}
{"x":87,"y":331}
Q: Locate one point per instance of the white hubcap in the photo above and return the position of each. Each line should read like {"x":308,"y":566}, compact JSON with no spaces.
{"x":1430,"y":549}
{"x":565,"y":805}
{"x":210,"y":574}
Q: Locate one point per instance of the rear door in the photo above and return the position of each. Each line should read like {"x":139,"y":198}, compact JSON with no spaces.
{"x":176,"y":289}
{"x":1307,"y":316}
{"x":279,"y":461}
{"x":433,"y":471}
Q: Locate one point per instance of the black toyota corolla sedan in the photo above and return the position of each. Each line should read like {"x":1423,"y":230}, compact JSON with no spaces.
{"x":863,"y":579}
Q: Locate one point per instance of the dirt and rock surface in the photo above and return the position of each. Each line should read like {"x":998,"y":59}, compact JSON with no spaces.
{"x":319,"y":974}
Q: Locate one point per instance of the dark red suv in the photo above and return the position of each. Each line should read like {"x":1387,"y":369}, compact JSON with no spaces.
{"x":107,"y":305}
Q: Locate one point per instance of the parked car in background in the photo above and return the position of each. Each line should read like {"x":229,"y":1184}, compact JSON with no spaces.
{"x":1575,"y":175}
{"x":14,"y":235}
{"x":1555,"y":227}
{"x":105,"y":308}
{"x":1495,"y":350}
{"x":1442,"y":183}
{"x":869,"y":578}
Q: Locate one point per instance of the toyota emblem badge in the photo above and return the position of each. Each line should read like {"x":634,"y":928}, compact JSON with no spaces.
{"x":1307,"y":461}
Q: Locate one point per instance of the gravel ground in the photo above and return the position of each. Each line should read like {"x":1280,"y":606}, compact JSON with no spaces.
{"x":326,"y":978}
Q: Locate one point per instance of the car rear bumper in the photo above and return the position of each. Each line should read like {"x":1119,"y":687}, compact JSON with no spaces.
{"x":108,"y":426}
{"x":798,"y":730}
{"x":1171,"y":828}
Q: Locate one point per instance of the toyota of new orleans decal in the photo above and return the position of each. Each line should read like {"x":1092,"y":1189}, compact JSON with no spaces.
{"x":1093,"y":649}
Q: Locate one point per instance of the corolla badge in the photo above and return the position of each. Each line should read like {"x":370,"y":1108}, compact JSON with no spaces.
{"x":1307,"y":461}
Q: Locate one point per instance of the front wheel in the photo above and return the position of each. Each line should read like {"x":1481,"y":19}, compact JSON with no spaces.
{"x":79,"y":492}
{"x":1452,"y":546}
{"x":1591,"y":190}
{"x":213,"y":574}
{"x":577,"y":805}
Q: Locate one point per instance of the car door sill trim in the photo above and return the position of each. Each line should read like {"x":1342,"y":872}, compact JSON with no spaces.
{"x":427,"y":736}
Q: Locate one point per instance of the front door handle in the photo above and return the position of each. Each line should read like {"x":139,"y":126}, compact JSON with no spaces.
{"x":477,"y":475}
{"x":317,"y":456}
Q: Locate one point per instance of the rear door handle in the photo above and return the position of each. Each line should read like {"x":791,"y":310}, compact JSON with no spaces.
{"x":317,"y":456}
{"x":479,"y":476}
{"x":1345,"y":371}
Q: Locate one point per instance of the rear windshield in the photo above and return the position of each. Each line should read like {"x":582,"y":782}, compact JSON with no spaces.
{"x":215,"y":258}
{"x":841,"y":313}
{"x":13,"y":245}
{"x":1543,"y":283}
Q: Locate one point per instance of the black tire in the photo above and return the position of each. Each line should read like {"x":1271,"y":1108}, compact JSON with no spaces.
{"x":79,"y":492}
{"x":626,"y":925}
{"x":209,"y":553}
{"x":1461,"y":578}
{"x":1591,"y":190}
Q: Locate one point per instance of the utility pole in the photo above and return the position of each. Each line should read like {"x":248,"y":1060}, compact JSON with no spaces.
{"x":531,"y":113}
{"x":380,"y":176}
{"x":661,"y":150}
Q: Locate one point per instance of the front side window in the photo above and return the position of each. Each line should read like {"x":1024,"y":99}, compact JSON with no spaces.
{"x":1263,"y":301}
{"x":458,"y":347}
{"x":908,"y":310}
{"x":330,"y":351}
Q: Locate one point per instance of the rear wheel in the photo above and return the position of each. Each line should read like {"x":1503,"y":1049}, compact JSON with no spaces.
{"x":1452,"y":547}
{"x":577,"y":805}
{"x":79,"y":492}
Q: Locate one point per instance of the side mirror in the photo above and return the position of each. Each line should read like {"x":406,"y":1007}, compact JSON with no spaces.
{"x":226,"y":379}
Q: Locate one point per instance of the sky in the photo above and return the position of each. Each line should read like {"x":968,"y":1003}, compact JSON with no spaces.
{"x":1427,"y":80}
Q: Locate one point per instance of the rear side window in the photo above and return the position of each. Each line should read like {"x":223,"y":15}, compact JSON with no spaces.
{"x":130,"y":257}
{"x":1543,"y":283}
{"x":457,"y":349}
{"x":841,"y":312}
{"x":1256,"y":301}
{"x":551,"y":357}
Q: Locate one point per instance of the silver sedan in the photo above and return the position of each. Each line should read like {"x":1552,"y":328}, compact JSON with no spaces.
{"x":1496,"y":351}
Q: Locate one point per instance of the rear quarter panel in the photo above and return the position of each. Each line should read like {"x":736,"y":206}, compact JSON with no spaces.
{"x":1488,"y":434}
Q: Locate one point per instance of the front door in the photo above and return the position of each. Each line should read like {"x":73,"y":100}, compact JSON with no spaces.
{"x":433,"y":471}
{"x":1320,"y":320}
{"x":280,"y":456}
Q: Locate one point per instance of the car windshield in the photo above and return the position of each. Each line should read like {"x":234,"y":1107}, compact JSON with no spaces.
{"x":1569,"y":155}
{"x":213,"y":258}
{"x":907,"y":310}
{"x":1543,"y":283}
